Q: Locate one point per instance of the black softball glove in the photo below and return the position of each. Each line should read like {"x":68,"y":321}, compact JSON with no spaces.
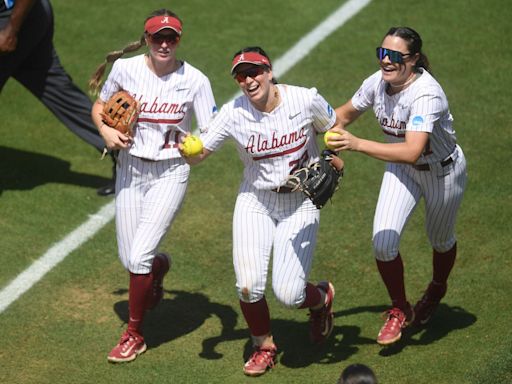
{"x":320,"y":180}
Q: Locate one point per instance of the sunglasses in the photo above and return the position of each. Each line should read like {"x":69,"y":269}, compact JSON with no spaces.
{"x":394,"y":56}
{"x":251,"y":72}
{"x":159,"y":38}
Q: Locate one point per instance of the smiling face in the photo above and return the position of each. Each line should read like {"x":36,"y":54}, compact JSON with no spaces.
{"x":397,"y":73}
{"x":255,"y":81}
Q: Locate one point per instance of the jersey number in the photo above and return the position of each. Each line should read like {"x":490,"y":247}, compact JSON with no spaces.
{"x":299,"y":163}
{"x":168,"y":139}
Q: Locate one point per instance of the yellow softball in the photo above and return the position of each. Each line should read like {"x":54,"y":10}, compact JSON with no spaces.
{"x":329,"y":135}
{"x":192,"y":146}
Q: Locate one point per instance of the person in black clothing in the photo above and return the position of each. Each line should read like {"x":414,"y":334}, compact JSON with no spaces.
{"x":27,"y":54}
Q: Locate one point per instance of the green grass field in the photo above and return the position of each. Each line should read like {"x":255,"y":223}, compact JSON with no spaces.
{"x":61,"y":330}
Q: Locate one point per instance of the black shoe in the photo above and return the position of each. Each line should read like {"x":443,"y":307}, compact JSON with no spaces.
{"x":108,"y":189}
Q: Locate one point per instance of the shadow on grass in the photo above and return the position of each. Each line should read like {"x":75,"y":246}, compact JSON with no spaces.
{"x":294,"y":348}
{"x":23,"y":170}
{"x":183,"y":312}
{"x":445,"y":320}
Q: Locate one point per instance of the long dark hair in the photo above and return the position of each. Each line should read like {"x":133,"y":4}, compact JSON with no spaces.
{"x":258,"y":50}
{"x":414,"y":44}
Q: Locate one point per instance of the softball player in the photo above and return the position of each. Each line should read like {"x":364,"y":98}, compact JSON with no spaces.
{"x":274,"y":127}
{"x":423,"y":160}
{"x":151,"y":176}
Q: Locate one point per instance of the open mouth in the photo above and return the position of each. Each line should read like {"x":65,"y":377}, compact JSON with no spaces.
{"x":253,"y":88}
{"x":388,"y":68}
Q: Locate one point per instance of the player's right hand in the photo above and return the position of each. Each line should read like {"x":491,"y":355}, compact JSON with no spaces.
{"x":114,"y":139}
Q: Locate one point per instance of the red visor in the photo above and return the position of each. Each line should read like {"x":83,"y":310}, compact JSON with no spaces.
{"x":157,"y":23}
{"x":251,"y":58}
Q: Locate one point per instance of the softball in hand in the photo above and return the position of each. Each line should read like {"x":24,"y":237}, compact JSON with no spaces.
{"x":192,"y":146}
{"x":328,"y":135}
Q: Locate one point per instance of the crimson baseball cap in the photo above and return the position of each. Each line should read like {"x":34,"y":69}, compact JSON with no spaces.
{"x":255,"y":58}
{"x":157,"y":23}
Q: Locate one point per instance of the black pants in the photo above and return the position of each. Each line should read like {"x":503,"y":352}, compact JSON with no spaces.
{"x":35,"y":64}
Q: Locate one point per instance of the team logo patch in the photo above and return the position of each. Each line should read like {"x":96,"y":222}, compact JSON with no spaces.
{"x":329,"y":110}
{"x":417,"y":120}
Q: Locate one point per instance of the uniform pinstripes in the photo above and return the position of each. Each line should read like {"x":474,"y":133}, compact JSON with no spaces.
{"x":442,"y":205}
{"x":401,"y":190}
{"x":148,"y":197}
{"x":271,"y":144}
{"x":286,"y":223}
{"x":151,"y":175}
{"x":165,"y":100}
{"x":422,"y":107}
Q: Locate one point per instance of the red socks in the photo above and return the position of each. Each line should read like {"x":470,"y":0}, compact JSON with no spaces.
{"x":313,"y":296}
{"x":257,"y":317}
{"x":443,"y":264}
{"x":392,"y":273}
{"x":140,"y":287}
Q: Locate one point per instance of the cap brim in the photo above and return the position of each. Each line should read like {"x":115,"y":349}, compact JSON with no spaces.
{"x":152,"y":32}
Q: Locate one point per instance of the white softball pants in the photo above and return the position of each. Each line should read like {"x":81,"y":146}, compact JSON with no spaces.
{"x":288,"y":224}
{"x":401,"y":190}
{"x":149,"y":194}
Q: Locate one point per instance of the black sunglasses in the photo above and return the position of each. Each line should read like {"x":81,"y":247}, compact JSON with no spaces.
{"x":159,"y":38}
{"x":250,"y":72}
{"x":394,"y":56}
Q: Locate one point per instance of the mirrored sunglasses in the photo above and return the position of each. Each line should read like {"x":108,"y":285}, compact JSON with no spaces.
{"x":394,"y":56}
{"x":251,"y":72}
{"x":159,"y":38}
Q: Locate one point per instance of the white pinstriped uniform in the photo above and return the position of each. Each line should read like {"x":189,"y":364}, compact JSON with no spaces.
{"x":421,"y":107}
{"x":271,"y":145}
{"x":151,"y":175}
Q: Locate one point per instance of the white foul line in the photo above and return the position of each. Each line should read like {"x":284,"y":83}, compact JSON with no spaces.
{"x":302,"y":48}
{"x":25,"y":280}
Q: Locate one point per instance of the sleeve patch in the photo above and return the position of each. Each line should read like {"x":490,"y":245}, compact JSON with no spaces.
{"x":417,"y":120}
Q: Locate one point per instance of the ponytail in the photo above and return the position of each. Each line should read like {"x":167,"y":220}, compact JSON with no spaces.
{"x":95,"y":80}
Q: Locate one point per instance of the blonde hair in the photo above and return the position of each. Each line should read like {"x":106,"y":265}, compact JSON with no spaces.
{"x":96,"y":79}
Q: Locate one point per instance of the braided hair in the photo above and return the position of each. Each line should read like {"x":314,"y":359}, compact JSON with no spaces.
{"x":96,"y":78}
